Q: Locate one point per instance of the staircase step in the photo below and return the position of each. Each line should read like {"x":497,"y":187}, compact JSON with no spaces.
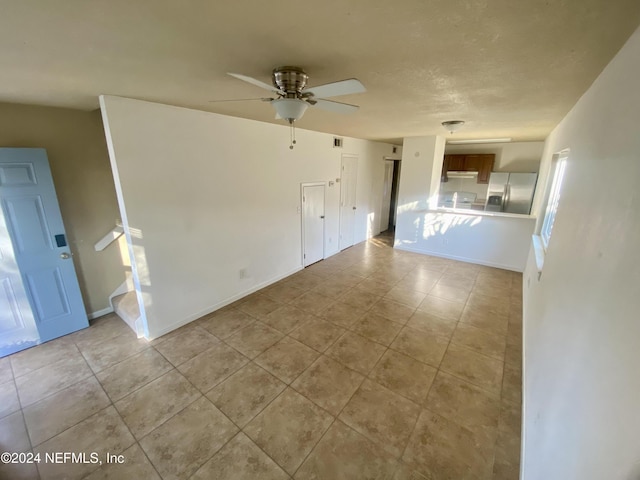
{"x":126,"y":307}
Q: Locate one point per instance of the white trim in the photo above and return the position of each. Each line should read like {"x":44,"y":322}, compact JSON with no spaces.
{"x":523,"y":411}
{"x":99,"y":313}
{"x":456,"y":257}
{"x":546,"y":197}
{"x":223,"y":303}
{"x":538,"y":252}
{"x":110,"y":237}
{"x":123,"y":213}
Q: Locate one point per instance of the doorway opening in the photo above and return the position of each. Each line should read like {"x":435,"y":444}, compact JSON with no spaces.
{"x":390,"y":200}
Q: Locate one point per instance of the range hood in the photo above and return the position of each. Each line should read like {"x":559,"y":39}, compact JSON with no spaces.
{"x":461,"y":174}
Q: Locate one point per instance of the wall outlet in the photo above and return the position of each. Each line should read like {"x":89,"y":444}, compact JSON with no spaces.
{"x":243,"y":273}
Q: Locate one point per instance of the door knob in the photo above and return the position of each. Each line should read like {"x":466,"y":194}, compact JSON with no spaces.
{"x":321,"y":216}
{"x":354,"y":208}
{"x":65,"y":255}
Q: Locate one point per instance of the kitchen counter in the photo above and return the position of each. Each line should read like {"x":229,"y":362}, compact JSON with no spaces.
{"x":494,"y":239}
{"x":473,"y":212}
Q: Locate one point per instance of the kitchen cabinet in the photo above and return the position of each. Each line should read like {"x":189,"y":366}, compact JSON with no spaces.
{"x":477,"y":162}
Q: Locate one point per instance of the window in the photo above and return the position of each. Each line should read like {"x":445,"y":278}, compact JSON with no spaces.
{"x":558,"y":168}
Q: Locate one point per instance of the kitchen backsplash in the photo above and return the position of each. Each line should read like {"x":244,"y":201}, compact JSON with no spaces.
{"x":465,"y":185}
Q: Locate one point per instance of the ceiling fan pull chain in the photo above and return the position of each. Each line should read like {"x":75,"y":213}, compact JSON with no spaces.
{"x":292,"y":135}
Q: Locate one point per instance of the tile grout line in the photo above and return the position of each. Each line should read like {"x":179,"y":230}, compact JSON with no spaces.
{"x":240,"y":429}
{"x":24,"y":420}
{"x":335,"y":417}
{"x":289,"y":385}
{"x":112,"y":403}
{"x":422,"y":407}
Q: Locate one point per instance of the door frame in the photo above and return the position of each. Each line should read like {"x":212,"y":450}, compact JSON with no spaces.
{"x":395,"y":188}
{"x":324,"y":208}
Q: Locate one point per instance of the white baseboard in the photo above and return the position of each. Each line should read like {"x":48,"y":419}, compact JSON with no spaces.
{"x":223,"y":303}
{"x":460,"y":259}
{"x":99,"y":313}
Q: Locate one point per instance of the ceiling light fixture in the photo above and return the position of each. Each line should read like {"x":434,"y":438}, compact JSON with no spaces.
{"x":453,"y":125}
{"x":291,"y":109}
{"x":478,"y":140}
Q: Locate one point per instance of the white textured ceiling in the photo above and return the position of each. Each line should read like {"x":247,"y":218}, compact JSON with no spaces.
{"x":509,"y":68}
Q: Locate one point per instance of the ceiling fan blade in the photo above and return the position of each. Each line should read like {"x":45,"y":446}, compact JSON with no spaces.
{"x":257,"y":83}
{"x":264,"y":99}
{"x":336,"y":107}
{"x":343,"y":87}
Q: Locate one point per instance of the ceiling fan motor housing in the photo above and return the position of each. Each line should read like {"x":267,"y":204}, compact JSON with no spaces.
{"x":290,"y":80}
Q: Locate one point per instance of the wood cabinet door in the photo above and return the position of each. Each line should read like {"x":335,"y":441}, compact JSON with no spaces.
{"x":480,"y":162}
{"x":456,"y":162}
{"x":472,"y":163}
{"x":486,"y":167}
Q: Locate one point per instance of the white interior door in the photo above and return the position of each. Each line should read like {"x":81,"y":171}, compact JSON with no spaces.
{"x":312,"y":223}
{"x":386,"y":195}
{"x":34,"y":241}
{"x":348,"y":183}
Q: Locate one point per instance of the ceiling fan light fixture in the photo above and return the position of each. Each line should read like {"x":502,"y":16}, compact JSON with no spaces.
{"x":453,"y":126}
{"x":291,"y":109}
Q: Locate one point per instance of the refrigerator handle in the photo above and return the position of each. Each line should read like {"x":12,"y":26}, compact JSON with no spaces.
{"x":507,"y":197}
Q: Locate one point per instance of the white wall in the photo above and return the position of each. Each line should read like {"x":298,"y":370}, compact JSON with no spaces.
{"x":419,"y":175}
{"x":495,"y":240}
{"x":206,"y":195}
{"x":510,"y":157}
{"x":581,"y":320}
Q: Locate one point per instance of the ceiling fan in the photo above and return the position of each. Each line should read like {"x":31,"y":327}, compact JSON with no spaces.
{"x":293,"y":98}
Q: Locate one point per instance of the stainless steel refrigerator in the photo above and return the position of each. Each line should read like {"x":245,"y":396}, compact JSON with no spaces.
{"x":511,"y":192}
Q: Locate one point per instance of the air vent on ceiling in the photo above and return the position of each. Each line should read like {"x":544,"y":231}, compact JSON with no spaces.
{"x":337,"y":142}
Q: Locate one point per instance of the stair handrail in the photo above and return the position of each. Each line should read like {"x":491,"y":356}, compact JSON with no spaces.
{"x":109,"y":238}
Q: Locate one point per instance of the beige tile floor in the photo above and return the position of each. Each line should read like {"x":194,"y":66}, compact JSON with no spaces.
{"x":374,"y":363}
